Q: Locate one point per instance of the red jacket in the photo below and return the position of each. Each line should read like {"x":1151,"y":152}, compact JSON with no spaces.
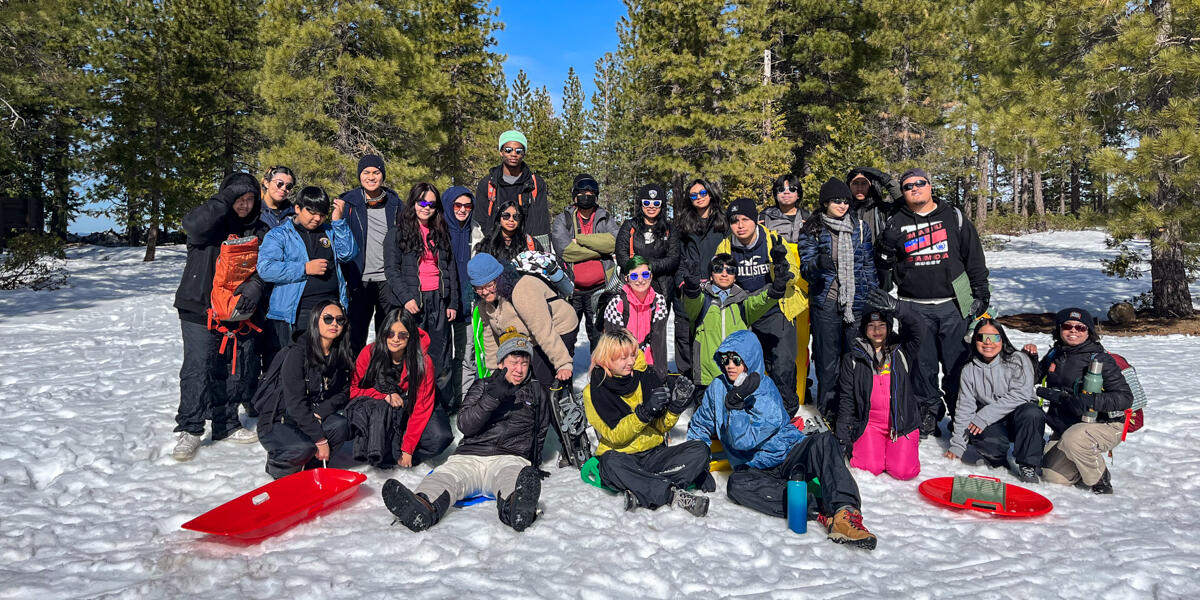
{"x":420,"y":411}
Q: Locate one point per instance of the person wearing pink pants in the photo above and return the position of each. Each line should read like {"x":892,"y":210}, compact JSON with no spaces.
{"x":878,"y":418}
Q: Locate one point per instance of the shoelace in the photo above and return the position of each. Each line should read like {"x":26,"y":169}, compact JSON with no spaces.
{"x":856,"y":521}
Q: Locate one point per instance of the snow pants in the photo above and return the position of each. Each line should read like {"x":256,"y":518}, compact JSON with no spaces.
{"x":289,"y":450}
{"x":1025,"y":427}
{"x":581,"y":301}
{"x":207,"y":391}
{"x":683,"y":340}
{"x":1078,"y":456}
{"x":464,"y":475}
{"x":831,"y":338}
{"x":942,"y":347}
{"x":367,"y":301}
{"x":460,"y":345}
{"x":432,"y":319}
{"x":653,"y":474}
{"x":818,"y":455}
{"x":377,"y":431}
{"x":777,"y":335}
{"x":876,"y":451}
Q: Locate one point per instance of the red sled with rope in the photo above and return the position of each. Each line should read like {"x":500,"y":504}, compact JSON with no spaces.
{"x":236,"y":264}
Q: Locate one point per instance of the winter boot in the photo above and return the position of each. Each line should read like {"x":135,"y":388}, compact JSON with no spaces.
{"x":1027,"y":474}
{"x":929,"y":424}
{"x":519,"y":510}
{"x":845,"y":527}
{"x":1104,"y":486}
{"x":630,"y":501}
{"x":187,"y":446}
{"x":415,"y":511}
{"x":693,"y":503}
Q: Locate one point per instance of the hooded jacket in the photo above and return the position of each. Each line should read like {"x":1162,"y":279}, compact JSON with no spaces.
{"x":646,"y":319}
{"x":658,"y":244}
{"x":988,"y":392}
{"x":787,"y":227}
{"x":463,"y":237}
{"x":714,"y":319}
{"x":819,"y":280}
{"x":498,"y":418}
{"x":283,"y":257}
{"x":1063,"y":369}
{"x":535,"y":309}
{"x":529,"y":190}
{"x":568,"y":247}
{"x":207,"y":226}
{"x":855,"y":381}
{"x":933,"y":251}
{"x":292,"y":391}
{"x":417,"y":419}
{"x":356,"y":218}
{"x":760,"y":433}
{"x":612,"y":414}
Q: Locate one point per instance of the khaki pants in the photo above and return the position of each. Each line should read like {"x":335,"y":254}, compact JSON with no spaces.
{"x":464,"y":475}
{"x":1079,"y":455}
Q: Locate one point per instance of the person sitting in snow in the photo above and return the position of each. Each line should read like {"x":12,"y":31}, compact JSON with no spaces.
{"x":996,"y":404}
{"x":632,"y":410}
{"x":503,"y":420}
{"x":744,"y":410}
{"x":1075,"y":453}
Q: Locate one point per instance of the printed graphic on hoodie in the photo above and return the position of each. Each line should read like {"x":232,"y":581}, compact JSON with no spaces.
{"x":926,"y":243}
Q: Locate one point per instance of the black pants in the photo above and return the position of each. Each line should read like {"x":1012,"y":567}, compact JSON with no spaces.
{"x":367,"y":301}
{"x":543,"y":369}
{"x":432,"y":319}
{"x":942,"y":346}
{"x":832,"y":337}
{"x":460,"y":344}
{"x":652,"y":474}
{"x":683,"y":341}
{"x":377,"y":430}
{"x":1025,"y":427}
{"x":778,"y":338}
{"x":207,"y":390}
{"x":818,"y":455}
{"x":289,"y":450}
{"x":581,"y":301}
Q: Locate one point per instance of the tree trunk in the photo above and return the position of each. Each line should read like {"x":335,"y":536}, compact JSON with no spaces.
{"x":981,"y":191}
{"x":1168,"y":273}
{"x":1062,"y":197}
{"x":60,"y":205}
{"x":1039,"y":200}
{"x":1019,"y":191}
{"x":1074,"y":188}
{"x":994,"y":193}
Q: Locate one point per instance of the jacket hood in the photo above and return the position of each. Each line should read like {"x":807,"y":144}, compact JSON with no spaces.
{"x":247,"y":180}
{"x":745,"y":343}
{"x":448,"y":198}
{"x":937,"y":212}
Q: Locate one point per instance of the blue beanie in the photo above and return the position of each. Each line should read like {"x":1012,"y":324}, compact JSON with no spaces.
{"x":484,"y":269}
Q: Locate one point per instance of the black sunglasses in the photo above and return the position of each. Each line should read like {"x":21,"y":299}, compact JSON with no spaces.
{"x":920,"y":183}
{"x":330,"y":319}
{"x":730,"y":269}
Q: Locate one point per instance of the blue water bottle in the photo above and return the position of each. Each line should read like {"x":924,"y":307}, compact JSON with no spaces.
{"x":797,"y":506}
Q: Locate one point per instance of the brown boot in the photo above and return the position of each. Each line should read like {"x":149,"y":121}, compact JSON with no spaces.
{"x":845,"y":527}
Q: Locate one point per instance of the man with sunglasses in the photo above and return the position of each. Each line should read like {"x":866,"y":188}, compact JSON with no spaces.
{"x":584,"y":239}
{"x":939,"y":266}
{"x":514,"y":180}
{"x":370,"y":212}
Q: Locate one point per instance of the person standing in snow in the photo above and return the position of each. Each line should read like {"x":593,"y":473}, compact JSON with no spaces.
{"x":1075,"y":453}
{"x":787,"y":216}
{"x":514,"y":180}
{"x":743,"y":409}
{"x":996,"y":404}
{"x":371,"y":210}
{"x":939,"y":266}
{"x":206,"y":388}
{"x":700,"y":221}
{"x":458,"y":210}
{"x":584,"y":239}
{"x":877,"y":196}
{"x":277,"y":187}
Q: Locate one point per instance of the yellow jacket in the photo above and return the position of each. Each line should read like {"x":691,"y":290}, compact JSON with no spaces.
{"x":613,"y":417}
{"x":795,"y":300}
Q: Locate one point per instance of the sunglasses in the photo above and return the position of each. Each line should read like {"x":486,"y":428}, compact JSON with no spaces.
{"x":781,"y":190}
{"x":510,"y":216}
{"x":402,"y":335}
{"x":279,"y":184}
{"x":519,"y":151}
{"x":698,"y":195}
{"x":988,"y":338}
{"x":1080,"y":327}
{"x":427,"y":203}
{"x":330,"y":320}
{"x":920,"y":183}
{"x":462,"y":206}
{"x":644,"y":276}
{"x":652,"y":203}
{"x":840,"y":201}
{"x":730,"y":269}
{"x":730,"y":357}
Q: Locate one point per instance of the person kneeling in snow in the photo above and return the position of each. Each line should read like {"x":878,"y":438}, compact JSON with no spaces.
{"x":743,"y":409}
{"x":503,"y":420}
{"x":632,"y":411}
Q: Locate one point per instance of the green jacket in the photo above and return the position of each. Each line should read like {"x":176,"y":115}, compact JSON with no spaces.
{"x":718,"y":321}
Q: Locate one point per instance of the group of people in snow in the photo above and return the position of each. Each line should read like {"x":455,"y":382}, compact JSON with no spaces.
{"x":476,"y":299}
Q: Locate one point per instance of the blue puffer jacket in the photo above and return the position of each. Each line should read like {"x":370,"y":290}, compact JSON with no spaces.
{"x":758,"y":436}
{"x":282,"y":258}
{"x":819,"y":280}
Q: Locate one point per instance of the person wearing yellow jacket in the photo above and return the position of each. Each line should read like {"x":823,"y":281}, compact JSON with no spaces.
{"x":632,"y":411}
{"x":752,"y":246}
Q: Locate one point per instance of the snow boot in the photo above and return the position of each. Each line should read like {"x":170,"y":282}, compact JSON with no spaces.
{"x":929,"y":424}
{"x":415,"y":511}
{"x":519,"y":510}
{"x":845,"y":527}
{"x":187,"y":446}
{"x":630,"y":501}
{"x":693,"y":503}
{"x":1104,"y":486}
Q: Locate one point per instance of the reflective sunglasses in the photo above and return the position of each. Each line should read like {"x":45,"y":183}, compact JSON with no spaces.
{"x":508,"y":150}
{"x":730,"y":269}
{"x":402,"y":335}
{"x":781,"y":189}
{"x":730,"y":357}
{"x":279,"y":184}
{"x":1076,"y":327}
{"x":639,"y":275}
{"x":463,"y":206}
{"x":427,"y":203}
{"x":330,"y":320}
{"x":920,"y":183}
{"x":698,"y":195}
{"x":651,"y":203}
{"x":988,"y":338}
{"x":510,"y":216}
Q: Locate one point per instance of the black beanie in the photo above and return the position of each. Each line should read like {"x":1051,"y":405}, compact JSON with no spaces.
{"x":914,"y":172}
{"x":833,"y":189}
{"x":651,"y":191}
{"x":744,"y":207}
{"x":372,"y":160}
{"x":1074,"y":314}
{"x":870,"y":316}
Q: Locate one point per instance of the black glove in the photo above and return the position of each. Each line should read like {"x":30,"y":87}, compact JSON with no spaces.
{"x":681,"y":398}
{"x":499,"y":387}
{"x":1080,"y":402}
{"x":1050,"y":395}
{"x":825,"y":262}
{"x":882,"y":300}
{"x":653,"y":405}
{"x":891,"y":243}
{"x":235,"y":191}
{"x":778,"y":250}
{"x":251,"y":293}
{"x":691,"y":283}
{"x":978,"y":307}
{"x":779,"y":283}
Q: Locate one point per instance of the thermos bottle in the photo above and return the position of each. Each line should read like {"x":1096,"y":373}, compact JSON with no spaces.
{"x":1093,"y":383}
{"x":797,"y":506}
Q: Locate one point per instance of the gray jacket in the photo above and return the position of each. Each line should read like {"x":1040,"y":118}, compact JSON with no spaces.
{"x":787,"y":227}
{"x":562,"y":233}
{"x":988,"y":392}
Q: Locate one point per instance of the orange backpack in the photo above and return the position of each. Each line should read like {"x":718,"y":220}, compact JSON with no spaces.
{"x":235,"y":264}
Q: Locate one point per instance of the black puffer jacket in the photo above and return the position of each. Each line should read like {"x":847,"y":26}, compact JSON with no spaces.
{"x":658,"y":244}
{"x":206,"y":227}
{"x":401,"y":269}
{"x":499,"y":418}
{"x":855,"y":381}
{"x":1064,"y":367}
{"x":696,"y":251}
{"x":292,"y":391}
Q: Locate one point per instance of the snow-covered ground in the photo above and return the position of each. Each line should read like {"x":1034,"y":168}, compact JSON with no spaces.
{"x":91,"y":501}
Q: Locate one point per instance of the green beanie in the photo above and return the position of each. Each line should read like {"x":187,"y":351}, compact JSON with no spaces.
{"x":512,"y":135}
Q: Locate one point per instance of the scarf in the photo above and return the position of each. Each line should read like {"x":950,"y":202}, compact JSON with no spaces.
{"x":844,"y":255}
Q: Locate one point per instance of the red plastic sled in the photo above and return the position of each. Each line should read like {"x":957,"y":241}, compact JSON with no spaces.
{"x":1019,"y":501}
{"x":279,"y":505}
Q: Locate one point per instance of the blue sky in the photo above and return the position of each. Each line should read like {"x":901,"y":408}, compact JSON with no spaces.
{"x":543,"y":38}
